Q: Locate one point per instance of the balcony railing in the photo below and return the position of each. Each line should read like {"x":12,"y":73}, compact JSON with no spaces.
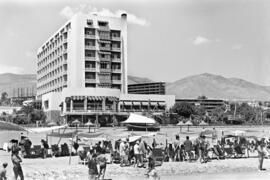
{"x":104,"y":28}
{"x":116,"y":49}
{"x":105,"y":59}
{"x":90,"y":36}
{"x":108,"y":48}
{"x":116,"y":60}
{"x":116,"y":71}
{"x":90,"y":69}
{"x":90,"y":47}
{"x":88,"y":58}
{"x":105,"y":37}
{"x":90,"y":80}
{"x":114,"y":81}
{"x":116,"y":38}
{"x":105,"y":70}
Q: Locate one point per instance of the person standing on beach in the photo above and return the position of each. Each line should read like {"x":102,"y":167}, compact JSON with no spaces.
{"x":152,"y":173}
{"x":102,"y":161}
{"x":261,"y":155}
{"x":92,"y":166}
{"x":177,"y":148}
{"x":122,"y":152}
{"x":188,"y":147}
{"x":3,"y":172}
{"x":17,"y":169}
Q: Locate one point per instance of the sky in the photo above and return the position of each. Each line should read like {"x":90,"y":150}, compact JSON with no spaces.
{"x":167,"y":40}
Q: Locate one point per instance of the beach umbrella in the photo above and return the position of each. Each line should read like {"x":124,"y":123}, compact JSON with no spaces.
{"x":181,"y":123}
{"x":11,"y":126}
{"x":202,"y":123}
{"x":188,"y":123}
{"x":76,"y":123}
{"x":89,"y":124}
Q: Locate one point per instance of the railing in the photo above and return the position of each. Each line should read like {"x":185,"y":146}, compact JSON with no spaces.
{"x":88,"y":58}
{"x":104,"y":48}
{"x":91,"y":47}
{"x":116,"y":71}
{"x":90,"y":80}
{"x":91,"y":69}
{"x":104,"y":59}
{"x":104,"y":28}
{"x":116,"y":49}
{"x":90,"y":36}
{"x":105,"y":70}
{"x":116,"y":81}
{"x":116,"y":60}
{"x":104,"y":37}
{"x":116,"y":38}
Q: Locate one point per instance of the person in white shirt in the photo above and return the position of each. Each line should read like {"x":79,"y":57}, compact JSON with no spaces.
{"x":137,"y":153}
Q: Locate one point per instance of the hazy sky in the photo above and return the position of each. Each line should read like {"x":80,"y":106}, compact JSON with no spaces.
{"x":167,"y":40}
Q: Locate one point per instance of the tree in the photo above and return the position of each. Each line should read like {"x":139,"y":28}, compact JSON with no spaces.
{"x":218,"y":114}
{"x":247,"y":111}
{"x":38,"y":115}
{"x":4,"y":101}
{"x":27,"y":110}
{"x":183,"y":109}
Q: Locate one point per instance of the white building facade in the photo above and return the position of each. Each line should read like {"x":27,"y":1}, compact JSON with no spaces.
{"x":82,"y":72}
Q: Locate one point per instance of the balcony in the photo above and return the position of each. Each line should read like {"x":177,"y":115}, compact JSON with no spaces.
{"x":105,"y":70}
{"x":90,"y":36}
{"x":64,"y":83}
{"x":116,"y":71}
{"x":104,"y":28}
{"x":90,"y":80}
{"x":114,"y":81}
{"x":116,"y":60}
{"x":104,"y":59}
{"x":90,"y":69}
{"x":117,"y":49}
{"x":90,"y":47}
{"x":65,"y":40}
{"x":116,"y":39}
{"x":64,"y":50}
{"x":105,"y":37}
{"x":107,"y":48}
{"x":88,"y":58}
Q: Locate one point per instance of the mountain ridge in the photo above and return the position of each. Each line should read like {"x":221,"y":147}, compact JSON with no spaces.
{"x":210,"y":85}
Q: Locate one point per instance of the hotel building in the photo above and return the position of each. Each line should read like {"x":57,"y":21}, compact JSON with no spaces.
{"x":147,"y":88}
{"x":82,"y":72}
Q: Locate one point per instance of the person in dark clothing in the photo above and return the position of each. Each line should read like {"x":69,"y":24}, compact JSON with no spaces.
{"x":45,"y":148}
{"x":92,"y":166}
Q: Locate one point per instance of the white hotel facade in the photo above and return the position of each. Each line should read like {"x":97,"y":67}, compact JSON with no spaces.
{"x":82,"y":72}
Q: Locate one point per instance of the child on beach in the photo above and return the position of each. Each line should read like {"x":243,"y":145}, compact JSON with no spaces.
{"x":3,"y":172}
{"x":152,"y":173}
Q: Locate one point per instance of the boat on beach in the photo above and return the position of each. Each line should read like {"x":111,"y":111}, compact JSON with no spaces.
{"x":141,"y":127}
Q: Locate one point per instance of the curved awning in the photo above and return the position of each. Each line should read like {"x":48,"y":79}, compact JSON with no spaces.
{"x":77,"y":97}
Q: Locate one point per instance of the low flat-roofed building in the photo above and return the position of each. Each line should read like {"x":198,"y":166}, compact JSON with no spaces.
{"x":147,"y":88}
{"x":208,"y":104}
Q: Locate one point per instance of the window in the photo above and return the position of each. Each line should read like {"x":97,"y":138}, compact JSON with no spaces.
{"x":89,"y":22}
{"x":46,"y":104}
{"x":102,"y":23}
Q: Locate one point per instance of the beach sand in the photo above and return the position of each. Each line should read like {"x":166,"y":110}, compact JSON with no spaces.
{"x":59,"y":168}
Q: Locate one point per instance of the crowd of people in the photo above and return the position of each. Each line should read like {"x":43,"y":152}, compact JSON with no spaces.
{"x":140,"y":154}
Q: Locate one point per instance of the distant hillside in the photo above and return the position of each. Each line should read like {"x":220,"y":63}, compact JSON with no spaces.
{"x":137,"y":80}
{"x":215,"y":86}
{"x":10,"y":82}
{"x":210,"y":85}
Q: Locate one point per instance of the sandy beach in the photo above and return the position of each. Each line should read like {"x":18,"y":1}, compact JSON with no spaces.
{"x":59,"y":168}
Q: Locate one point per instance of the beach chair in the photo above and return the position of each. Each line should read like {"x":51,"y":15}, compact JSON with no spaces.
{"x":36,"y":151}
{"x":238,"y":152}
{"x":158,"y":156}
{"x":55,"y":150}
{"x":229,"y":152}
{"x":64,"y":150}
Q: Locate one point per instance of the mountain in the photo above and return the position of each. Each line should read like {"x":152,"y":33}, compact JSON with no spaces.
{"x":210,"y":85}
{"x":137,"y":80}
{"x":11,"y":82}
{"x":215,"y":86}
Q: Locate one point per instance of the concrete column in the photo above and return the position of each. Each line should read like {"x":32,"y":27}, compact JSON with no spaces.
{"x":64,"y":107}
{"x":71,"y":105}
{"x":104,"y":104}
{"x":85,"y":104}
{"x":114,"y":106}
